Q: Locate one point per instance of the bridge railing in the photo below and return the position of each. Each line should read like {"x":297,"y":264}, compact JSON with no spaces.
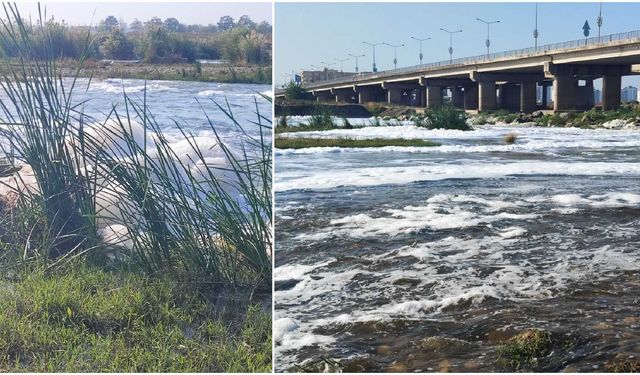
{"x":552,"y":47}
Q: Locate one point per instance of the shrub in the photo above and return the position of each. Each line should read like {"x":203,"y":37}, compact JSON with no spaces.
{"x":445,"y":117}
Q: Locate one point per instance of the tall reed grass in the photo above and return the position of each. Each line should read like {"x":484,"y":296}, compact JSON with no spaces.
{"x":209,"y":218}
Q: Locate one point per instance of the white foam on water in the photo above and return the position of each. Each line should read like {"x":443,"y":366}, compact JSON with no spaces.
{"x":369,"y":176}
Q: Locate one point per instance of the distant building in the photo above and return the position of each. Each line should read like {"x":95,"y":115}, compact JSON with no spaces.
{"x":597,"y":96}
{"x":310,"y":76}
{"x":629,"y":94}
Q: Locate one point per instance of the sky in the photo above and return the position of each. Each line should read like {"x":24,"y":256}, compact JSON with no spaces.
{"x":86,"y":13}
{"x":308,"y":33}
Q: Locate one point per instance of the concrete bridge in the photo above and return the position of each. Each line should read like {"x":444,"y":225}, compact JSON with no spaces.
{"x":504,"y":80}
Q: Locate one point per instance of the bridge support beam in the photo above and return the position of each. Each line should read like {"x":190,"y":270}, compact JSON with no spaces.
{"x":433,"y":96}
{"x":471,"y":97}
{"x":611,"y":87}
{"x":487,"y":95}
{"x":527,"y":96}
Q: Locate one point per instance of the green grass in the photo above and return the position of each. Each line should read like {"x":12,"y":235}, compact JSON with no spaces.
{"x":86,"y":319}
{"x":303,"y":128}
{"x":177,"y":298}
{"x":297,"y":143}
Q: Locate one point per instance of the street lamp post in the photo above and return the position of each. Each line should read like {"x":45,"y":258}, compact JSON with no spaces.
{"x":488,"y":41}
{"x":373,"y":45}
{"x":599,"y":20}
{"x":450,"y":42}
{"x":341,"y":61}
{"x":535,"y":30}
{"x":326,"y":68}
{"x":420,"y":41}
{"x":356,"y":57}
{"x":395,"y":56}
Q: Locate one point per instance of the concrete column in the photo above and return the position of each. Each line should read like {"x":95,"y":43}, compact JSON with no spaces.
{"x":394,"y":96}
{"x":509,"y":97}
{"x":563,"y":92}
{"x":584,"y":95}
{"x":527,"y":97}
{"x":343,"y":97}
{"x":433,"y":96}
{"x":457,"y":98}
{"x":486,"y":95}
{"x":471,"y":97}
{"x":611,"y":87}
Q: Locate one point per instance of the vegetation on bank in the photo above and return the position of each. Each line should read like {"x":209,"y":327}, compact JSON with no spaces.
{"x":297,"y":143}
{"x":82,"y":318}
{"x":588,"y":119}
{"x":122,"y":253}
{"x":224,"y":73}
{"x":155,"y":41}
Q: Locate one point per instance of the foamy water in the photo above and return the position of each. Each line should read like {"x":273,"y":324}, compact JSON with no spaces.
{"x":172,"y":104}
{"x":387,"y":247}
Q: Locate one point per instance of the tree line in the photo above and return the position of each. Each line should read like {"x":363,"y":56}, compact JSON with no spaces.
{"x":155,"y":41}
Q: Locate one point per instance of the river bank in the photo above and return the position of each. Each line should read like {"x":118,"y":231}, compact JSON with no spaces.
{"x":222,"y":73}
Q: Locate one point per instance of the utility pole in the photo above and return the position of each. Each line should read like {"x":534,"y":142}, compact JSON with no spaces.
{"x":420,"y":40}
{"x":356,"y":57}
{"x":395,"y":56}
{"x":450,"y":42}
{"x":373,"y":45}
{"x":488,"y":41}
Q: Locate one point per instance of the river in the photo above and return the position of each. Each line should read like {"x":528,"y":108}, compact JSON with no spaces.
{"x":428,"y":259}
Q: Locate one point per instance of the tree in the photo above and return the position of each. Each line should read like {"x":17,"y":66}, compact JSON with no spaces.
{"x":117,"y":46}
{"x":226,"y":23}
{"x":245,"y":21}
{"x":172,"y":24}
{"x":264,"y":27}
{"x":136,"y":26}
{"x":110,"y":23}
{"x":153,"y":24}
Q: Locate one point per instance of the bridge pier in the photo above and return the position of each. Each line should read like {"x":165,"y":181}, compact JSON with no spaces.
{"x":394,"y":96}
{"x":509,"y":96}
{"x":344,"y":95}
{"x":563,"y":92}
{"x":457,"y":97}
{"x":433,"y":96}
{"x":366,"y":94}
{"x":487,"y":95}
{"x":323,"y":96}
{"x":471,"y":97}
{"x":584,"y":99}
{"x":611,"y":87}
{"x":528,"y":96}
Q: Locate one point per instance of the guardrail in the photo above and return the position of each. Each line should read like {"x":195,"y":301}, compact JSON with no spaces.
{"x":547,"y":48}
